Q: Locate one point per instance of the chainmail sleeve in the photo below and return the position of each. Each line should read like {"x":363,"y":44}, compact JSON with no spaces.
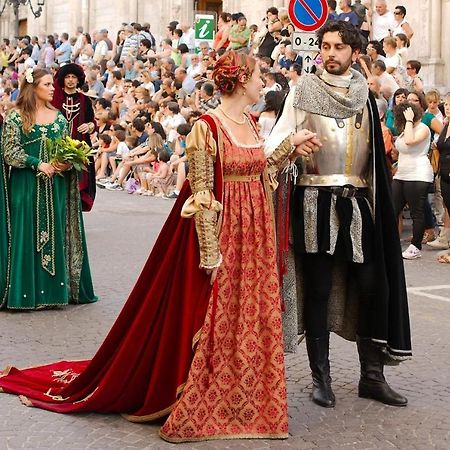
{"x":201,"y":205}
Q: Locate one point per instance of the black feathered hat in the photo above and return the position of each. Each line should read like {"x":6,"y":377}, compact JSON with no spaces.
{"x":74,"y":69}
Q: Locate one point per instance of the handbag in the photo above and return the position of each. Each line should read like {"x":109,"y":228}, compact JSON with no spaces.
{"x":131,"y":185}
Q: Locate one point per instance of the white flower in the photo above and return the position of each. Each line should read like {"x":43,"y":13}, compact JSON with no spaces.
{"x":29,"y":75}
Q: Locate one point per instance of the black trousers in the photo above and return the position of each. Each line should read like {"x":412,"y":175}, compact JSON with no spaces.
{"x":445,"y":191}
{"x":415,"y":193}
{"x":317,"y":276}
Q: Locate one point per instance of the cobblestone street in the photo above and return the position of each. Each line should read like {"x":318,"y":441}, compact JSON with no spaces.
{"x":120,"y":232}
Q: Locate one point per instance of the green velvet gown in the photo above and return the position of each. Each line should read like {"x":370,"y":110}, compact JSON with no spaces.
{"x":43,"y":254}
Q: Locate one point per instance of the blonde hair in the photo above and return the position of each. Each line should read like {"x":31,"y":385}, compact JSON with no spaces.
{"x":155,"y":141}
{"x":433,"y":95}
{"x":26,"y":102}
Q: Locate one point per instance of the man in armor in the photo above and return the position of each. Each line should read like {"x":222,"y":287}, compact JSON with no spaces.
{"x":349,"y":275}
{"x":78,"y":110}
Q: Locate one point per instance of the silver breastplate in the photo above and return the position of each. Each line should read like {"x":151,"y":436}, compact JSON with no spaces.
{"x":344,"y":156}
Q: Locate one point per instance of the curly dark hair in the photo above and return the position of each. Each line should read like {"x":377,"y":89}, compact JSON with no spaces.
{"x":348,"y":33}
{"x":399,"y":117}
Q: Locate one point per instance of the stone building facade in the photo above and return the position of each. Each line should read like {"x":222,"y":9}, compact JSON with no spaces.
{"x":427,"y":18}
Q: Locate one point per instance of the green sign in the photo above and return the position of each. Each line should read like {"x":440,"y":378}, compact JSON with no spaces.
{"x":205,"y":27}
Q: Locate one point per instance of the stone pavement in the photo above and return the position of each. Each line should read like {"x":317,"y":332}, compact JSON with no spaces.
{"x":120,"y":231}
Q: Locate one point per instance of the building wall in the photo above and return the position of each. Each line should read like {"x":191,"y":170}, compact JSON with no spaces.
{"x":425,"y":16}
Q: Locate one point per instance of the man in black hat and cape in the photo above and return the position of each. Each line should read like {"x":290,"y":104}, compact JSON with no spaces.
{"x":78,"y":110}
{"x":347,"y":268}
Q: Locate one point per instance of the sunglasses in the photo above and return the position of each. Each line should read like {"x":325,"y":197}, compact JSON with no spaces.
{"x":397,"y":13}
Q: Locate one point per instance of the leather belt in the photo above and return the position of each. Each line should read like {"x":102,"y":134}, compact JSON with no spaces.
{"x":241,"y":178}
{"x":346,"y":191}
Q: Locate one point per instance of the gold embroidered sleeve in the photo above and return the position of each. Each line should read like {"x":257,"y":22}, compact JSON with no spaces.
{"x":276,"y":160}
{"x":13,"y":151}
{"x":201,"y":205}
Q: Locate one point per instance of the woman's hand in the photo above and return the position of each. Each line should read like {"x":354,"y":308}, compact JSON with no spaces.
{"x":213,"y":273}
{"x":306,"y":142}
{"x":61,"y":167}
{"x":46,"y":169}
{"x":408,"y":113}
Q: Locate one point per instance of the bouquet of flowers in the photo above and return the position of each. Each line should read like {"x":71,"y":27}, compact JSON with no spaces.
{"x":68,"y":151}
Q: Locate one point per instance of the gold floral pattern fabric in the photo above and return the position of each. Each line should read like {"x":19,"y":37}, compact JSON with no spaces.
{"x":236,"y":386}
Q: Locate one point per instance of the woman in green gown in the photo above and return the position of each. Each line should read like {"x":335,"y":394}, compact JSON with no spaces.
{"x":43,"y":255}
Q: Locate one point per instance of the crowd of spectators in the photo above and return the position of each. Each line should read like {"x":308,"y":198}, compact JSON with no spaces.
{"x":147,"y":94}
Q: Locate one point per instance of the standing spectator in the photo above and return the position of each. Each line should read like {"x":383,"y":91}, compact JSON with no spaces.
{"x":383,"y":21}
{"x":86,"y":51}
{"x":240,"y":35}
{"x":64,"y":51}
{"x":221,"y":38}
{"x":101,"y":49}
{"x":443,"y":145}
{"x":402,"y":24}
{"x":36,"y":53}
{"x":78,"y":43}
{"x":414,"y":175}
{"x":287,"y":27}
{"x":130,"y":45}
{"x":347,"y":14}
{"x":361,"y":11}
{"x":148,"y":35}
{"x":271,"y":26}
{"x":118,"y":46}
{"x":188,"y":37}
{"x":332,"y":14}
{"x":28,"y":62}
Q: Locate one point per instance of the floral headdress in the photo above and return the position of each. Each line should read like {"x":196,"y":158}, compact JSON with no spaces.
{"x":29,"y":75}
{"x":227,"y":77}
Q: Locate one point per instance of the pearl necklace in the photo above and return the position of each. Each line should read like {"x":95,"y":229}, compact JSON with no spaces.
{"x":231,"y":118}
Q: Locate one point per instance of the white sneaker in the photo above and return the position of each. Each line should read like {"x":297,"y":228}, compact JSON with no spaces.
{"x":412,"y":252}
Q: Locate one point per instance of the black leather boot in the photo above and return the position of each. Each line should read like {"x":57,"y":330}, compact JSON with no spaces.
{"x":318,"y":350}
{"x":372,"y":383}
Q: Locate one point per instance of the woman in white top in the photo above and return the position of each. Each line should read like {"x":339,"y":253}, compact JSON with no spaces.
{"x":402,"y":24}
{"x":415,"y":174}
{"x":266,"y":121}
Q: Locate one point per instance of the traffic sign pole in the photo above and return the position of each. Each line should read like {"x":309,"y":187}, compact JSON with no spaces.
{"x":307,"y":16}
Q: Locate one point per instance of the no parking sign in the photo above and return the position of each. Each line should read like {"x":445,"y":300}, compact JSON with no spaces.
{"x":308,"y":15}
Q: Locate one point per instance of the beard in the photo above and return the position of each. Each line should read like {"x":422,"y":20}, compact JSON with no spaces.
{"x":338,"y":68}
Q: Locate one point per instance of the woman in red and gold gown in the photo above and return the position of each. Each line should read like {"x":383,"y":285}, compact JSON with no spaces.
{"x":208,"y":350}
